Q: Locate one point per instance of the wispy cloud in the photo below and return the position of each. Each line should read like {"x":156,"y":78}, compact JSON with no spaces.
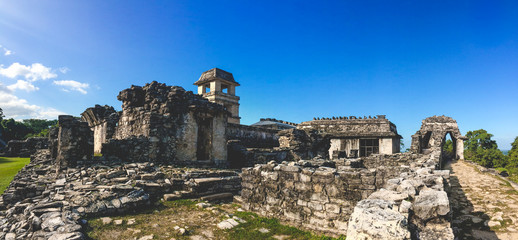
{"x":34,"y":72}
{"x":64,"y":70}
{"x":71,"y":85}
{"x":7,"y":52}
{"x":23,"y":85}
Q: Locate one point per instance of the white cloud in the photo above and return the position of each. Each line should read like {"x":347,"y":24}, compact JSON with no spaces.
{"x":7,"y":52}
{"x":72,"y":85}
{"x":64,"y":70}
{"x":23,"y":85}
{"x":17,"y":108}
{"x":32,"y":73}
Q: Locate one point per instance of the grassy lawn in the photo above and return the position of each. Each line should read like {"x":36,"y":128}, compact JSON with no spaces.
{"x":8,"y":168}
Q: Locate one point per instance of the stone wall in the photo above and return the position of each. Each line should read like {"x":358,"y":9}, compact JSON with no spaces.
{"x":321,"y":195}
{"x":253,"y":137}
{"x":316,"y":196}
{"x":25,"y":148}
{"x":414,"y":205}
{"x":170,"y":125}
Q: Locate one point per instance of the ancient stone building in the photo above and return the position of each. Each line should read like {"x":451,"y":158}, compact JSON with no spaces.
{"x":168,"y":124}
{"x":433,"y":133}
{"x":220,"y":87}
{"x":102,"y":120}
{"x":350,"y":137}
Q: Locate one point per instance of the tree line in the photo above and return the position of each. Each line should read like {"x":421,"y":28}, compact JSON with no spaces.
{"x":11,"y":129}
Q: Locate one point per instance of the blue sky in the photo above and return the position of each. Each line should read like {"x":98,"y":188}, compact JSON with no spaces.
{"x":295,"y":60}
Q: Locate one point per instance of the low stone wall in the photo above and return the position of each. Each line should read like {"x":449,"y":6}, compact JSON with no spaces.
{"x":413,"y":206}
{"x":313,"y":197}
{"x":25,"y":148}
{"x":252,"y":137}
{"x":326,"y":195}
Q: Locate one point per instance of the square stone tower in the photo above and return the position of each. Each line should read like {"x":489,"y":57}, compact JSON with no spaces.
{"x":219,"y":86}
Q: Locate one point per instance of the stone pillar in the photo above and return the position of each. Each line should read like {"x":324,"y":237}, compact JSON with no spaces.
{"x":232,"y":90}
{"x":75,"y":142}
{"x":201,"y":89}
{"x":460,"y":149}
{"x":215,"y":86}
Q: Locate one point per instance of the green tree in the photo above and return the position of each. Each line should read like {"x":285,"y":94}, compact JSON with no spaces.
{"x":513,"y":154}
{"x":39,"y":127}
{"x":479,"y":139}
{"x":13,"y":130}
{"x":481,"y":149}
{"x":1,"y":114}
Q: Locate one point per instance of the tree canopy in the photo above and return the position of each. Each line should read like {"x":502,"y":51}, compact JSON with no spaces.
{"x":482,"y":149}
{"x":11,"y":129}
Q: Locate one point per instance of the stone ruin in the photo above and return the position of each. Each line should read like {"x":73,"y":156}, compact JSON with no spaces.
{"x":339,"y":175}
{"x":25,"y":148}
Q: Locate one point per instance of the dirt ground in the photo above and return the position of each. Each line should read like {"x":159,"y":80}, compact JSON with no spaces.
{"x":485,"y":206}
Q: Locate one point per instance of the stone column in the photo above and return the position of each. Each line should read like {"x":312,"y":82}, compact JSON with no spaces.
{"x":460,"y":149}
{"x":201,"y":89}
{"x":75,"y":142}
{"x":215,"y":86}
{"x":232,"y":90}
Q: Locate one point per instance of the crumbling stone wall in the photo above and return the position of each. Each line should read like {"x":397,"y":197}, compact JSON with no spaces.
{"x":74,"y":142}
{"x":414,"y":205}
{"x":25,"y":148}
{"x":317,"y":198}
{"x":168,"y":124}
{"x":304,"y":144}
{"x":102,"y":120}
{"x":253,"y":137}
{"x":317,"y":195}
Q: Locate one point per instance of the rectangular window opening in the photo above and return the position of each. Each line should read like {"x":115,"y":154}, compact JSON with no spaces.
{"x":368,"y":147}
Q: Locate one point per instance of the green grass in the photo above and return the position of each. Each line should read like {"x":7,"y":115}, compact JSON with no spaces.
{"x":250,"y":229}
{"x":8,"y":168}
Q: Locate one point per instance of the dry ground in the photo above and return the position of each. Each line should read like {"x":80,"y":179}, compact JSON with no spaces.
{"x":485,"y":206}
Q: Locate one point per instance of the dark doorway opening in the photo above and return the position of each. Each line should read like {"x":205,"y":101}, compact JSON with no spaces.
{"x":204,"y":142}
{"x":368,"y":147}
{"x":425,"y":142}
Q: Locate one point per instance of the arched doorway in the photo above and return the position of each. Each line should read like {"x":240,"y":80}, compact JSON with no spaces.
{"x":433,"y":133}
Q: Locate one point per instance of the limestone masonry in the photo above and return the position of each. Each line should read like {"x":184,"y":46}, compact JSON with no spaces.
{"x":337,"y":175}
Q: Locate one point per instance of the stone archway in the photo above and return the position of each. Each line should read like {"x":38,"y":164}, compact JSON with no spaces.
{"x":432,"y":135}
